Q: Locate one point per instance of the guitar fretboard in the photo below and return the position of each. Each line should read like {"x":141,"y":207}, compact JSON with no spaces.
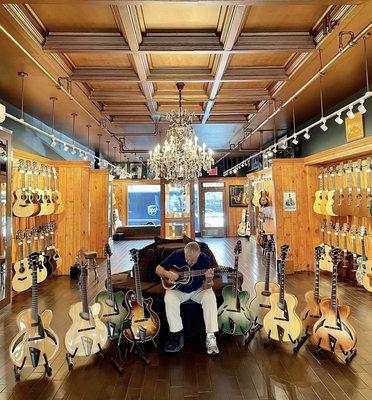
{"x":34,"y":301}
{"x":267,"y":273}
{"x":334,"y":286}
{"x":316,"y":280}
{"x":83,"y":288}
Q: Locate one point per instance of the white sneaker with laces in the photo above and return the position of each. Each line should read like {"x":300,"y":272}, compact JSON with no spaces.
{"x":211,"y":344}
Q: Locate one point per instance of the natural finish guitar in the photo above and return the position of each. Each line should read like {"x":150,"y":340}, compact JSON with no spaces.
{"x":36,"y":342}
{"x":22,"y":277}
{"x":311,"y":313}
{"x":318,"y":202}
{"x":40,"y":206}
{"x":56,"y":194}
{"x":144,"y":322}
{"x":348,"y":203}
{"x":47,"y":195}
{"x":23,"y":205}
{"x":87,"y":334}
{"x":260,"y":305}
{"x":281,"y":322}
{"x":347,"y":257}
{"x":113,"y":314}
{"x":330,"y":205}
{"x":353,"y":267}
{"x":332,"y":331}
{"x":338,"y":195}
{"x":361,"y":209}
{"x":234,"y":316}
{"x":325,"y":262}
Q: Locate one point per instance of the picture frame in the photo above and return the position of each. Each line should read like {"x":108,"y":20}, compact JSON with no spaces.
{"x":236,"y":195}
{"x":354,"y":128}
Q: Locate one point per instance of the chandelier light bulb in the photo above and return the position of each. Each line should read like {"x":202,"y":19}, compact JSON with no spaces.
{"x":307,"y":134}
{"x":339,"y":120}
{"x":350,"y":114}
{"x":361,"y":107}
{"x":324,"y":127}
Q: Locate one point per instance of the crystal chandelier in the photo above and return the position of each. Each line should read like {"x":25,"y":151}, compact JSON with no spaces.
{"x":180,"y":160}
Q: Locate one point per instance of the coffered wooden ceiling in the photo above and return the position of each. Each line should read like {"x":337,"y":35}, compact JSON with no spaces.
{"x":126,"y":56}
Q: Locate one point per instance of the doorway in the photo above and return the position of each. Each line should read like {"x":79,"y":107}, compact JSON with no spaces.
{"x":212,"y":206}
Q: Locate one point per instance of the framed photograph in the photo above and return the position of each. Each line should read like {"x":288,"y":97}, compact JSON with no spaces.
{"x":354,"y":128}
{"x":289,"y":201}
{"x":236,"y":193}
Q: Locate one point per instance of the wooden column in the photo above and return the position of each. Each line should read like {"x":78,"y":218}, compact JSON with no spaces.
{"x":98,"y":196}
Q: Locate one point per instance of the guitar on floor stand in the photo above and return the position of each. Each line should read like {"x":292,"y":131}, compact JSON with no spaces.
{"x":260,"y":305}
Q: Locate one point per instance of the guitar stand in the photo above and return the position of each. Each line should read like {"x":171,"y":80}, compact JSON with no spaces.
{"x":17,"y":370}
{"x":69,"y":358}
{"x":252,"y":333}
{"x":300,"y":342}
{"x":350,"y":355}
{"x":269,"y":341}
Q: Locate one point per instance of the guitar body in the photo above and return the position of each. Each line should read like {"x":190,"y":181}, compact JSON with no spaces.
{"x":323,"y":205}
{"x":23,"y":206}
{"x":317,"y":206}
{"x":85,"y":336}
{"x":325,"y":263}
{"x":48,"y":264}
{"x":344,"y":264}
{"x":332,"y":331}
{"x":145,"y":323}
{"x":330,"y":206}
{"x":56,"y":257}
{"x":242,"y":229}
{"x":256,"y":198}
{"x":264,"y":199}
{"x":28,"y":345}
{"x":351,"y":269}
{"x":113,"y":315}
{"x":49,"y":205}
{"x":232,"y":319}
{"x":310,"y":314}
{"x":40,"y":201}
{"x":367,"y":280}
{"x":260,"y":305}
{"x":360,"y":272}
{"x":22,"y":278}
{"x":57,"y":201}
{"x":283,"y":324}
{"x":167,"y":284}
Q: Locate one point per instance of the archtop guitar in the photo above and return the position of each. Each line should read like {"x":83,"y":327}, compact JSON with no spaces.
{"x":234,"y":316}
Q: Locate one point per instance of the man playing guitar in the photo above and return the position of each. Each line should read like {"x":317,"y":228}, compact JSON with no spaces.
{"x":199,"y":290}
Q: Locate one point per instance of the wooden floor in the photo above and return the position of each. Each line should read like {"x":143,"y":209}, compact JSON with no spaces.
{"x":239,"y":372}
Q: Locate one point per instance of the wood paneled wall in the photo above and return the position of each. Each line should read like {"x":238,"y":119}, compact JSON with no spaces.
{"x":98,"y":194}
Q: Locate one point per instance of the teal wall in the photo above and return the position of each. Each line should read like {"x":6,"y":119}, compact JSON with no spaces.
{"x":335,"y":135}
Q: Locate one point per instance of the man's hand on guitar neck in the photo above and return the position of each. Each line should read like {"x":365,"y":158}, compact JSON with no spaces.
{"x":208,"y":283}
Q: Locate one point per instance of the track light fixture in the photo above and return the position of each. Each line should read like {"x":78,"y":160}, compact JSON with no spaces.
{"x":2,"y":113}
{"x":307,"y":134}
{"x":65,"y":147}
{"x":361,"y":107}
{"x":295,"y":141}
{"x":324,"y":126}
{"x":53,"y":142}
{"x":350,"y":114}
{"x":73,"y":151}
{"x":338,"y":119}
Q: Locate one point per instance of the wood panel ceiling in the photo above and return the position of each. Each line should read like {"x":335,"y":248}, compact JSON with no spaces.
{"x":126,"y":57}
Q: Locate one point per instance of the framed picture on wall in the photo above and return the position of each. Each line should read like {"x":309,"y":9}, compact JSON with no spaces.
{"x":236,"y":193}
{"x":354,"y":128}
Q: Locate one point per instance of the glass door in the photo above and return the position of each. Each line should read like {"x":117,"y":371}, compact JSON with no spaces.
{"x":213,"y":212}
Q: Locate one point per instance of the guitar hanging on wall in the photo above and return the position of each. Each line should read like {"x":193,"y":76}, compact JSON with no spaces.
{"x":281,"y":322}
{"x":23,"y":205}
{"x":36,"y":342}
{"x":234,"y":316}
{"x":22,"y":278}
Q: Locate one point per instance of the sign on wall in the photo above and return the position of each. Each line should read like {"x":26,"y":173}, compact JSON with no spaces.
{"x":354,"y":128}
{"x":289,"y":201}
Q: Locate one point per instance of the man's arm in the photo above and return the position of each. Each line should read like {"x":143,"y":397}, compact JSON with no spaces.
{"x":163,"y":273}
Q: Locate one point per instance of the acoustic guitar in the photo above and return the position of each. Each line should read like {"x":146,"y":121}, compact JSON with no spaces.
{"x":37,"y":191}
{"x":48,"y":248}
{"x":264,"y":200}
{"x":367,"y":273}
{"x":113,"y":314}
{"x":42,"y":272}
{"x":348,"y":204}
{"x":56,"y":194}
{"x":331,"y":194}
{"x":234,"y":316}
{"x":338,"y":195}
{"x":23,"y":205}
{"x":144,"y":322}
{"x":87,"y":334}
{"x":281,"y":322}
{"x":325,"y":262}
{"x":317,"y":206}
{"x":47,"y":191}
{"x":22,"y":278}
{"x":361,"y":209}
{"x":45,"y":253}
{"x":362,"y":261}
{"x":352,"y":268}
{"x":35,"y":342}
{"x":260,"y":305}
{"x":256,"y":195}
{"x":57,"y":258}
{"x":332,"y":331}
{"x":186,"y":275}
{"x":347,"y":258}
{"x":311,"y":313}
{"x":243,"y":225}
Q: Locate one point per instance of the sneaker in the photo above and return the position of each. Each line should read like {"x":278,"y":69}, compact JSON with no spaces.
{"x":211,"y":344}
{"x":174,"y":343}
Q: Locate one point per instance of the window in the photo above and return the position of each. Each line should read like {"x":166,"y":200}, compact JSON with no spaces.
{"x":213,"y":184}
{"x":143,"y":205}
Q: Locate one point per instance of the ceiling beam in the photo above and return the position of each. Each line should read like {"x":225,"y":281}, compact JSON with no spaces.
{"x":275,"y":41}
{"x":117,"y":96}
{"x":104,"y":74}
{"x":125,"y":17}
{"x":250,"y":74}
{"x":84,"y":42}
{"x":230,"y":32}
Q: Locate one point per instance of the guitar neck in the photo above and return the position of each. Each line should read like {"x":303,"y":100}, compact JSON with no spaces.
{"x":267,"y":273}
{"x":34,"y":302}
{"x":316,"y":281}
{"x":109,"y":280}
{"x":282,"y":281}
{"x":334,"y":288}
{"x":84,"y":290}
{"x":137,"y":279}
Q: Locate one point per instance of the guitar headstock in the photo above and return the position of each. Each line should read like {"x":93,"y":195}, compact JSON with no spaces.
{"x":318,"y":252}
{"x":362,"y":232}
{"x":345,"y":228}
{"x":332,"y":171}
{"x":134,"y":255}
{"x":350,"y":167}
{"x":28,"y":234}
{"x":238,"y":247}
{"x":359,"y":166}
{"x":353,"y":231}
{"x":34,"y":168}
{"x":340,"y":169}
{"x":35,"y":233}
{"x":337,"y":228}
{"x":321,"y":171}
{"x":33,"y":261}
{"x":329,"y":227}
{"x":107,"y":250}
{"x":335,"y":255}
{"x":21,"y":166}
{"x":369,"y":164}
{"x":284,"y":251}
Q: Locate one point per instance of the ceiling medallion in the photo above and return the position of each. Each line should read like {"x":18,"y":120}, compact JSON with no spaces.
{"x":180,"y":160}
